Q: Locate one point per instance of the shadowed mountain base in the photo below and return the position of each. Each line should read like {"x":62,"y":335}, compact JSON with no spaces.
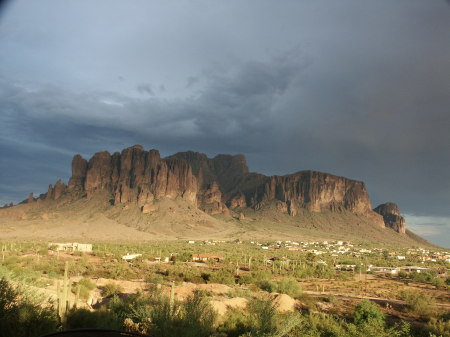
{"x":96,"y":219}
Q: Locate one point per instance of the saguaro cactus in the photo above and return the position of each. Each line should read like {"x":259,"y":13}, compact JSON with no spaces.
{"x":63,"y":294}
{"x":172,"y":298}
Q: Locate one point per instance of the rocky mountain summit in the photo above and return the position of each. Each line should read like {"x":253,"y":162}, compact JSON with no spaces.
{"x":219,"y":185}
{"x":391,"y":216}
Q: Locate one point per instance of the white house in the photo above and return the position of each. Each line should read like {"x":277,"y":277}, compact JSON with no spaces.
{"x":71,"y":247}
{"x":130,"y":257}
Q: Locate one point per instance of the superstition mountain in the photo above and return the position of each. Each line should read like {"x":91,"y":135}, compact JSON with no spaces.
{"x":188,"y":194}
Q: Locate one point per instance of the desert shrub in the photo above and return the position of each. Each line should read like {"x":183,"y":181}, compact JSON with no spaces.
{"x":162,"y":317}
{"x":289,"y":286}
{"x":45,"y":267}
{"x":320,"y":325}
{"x":420,"y":304}
{"x":21,"y":316}
{"x":198,"y":316}
{"x":262,"y":317}
{"x":203,"y":293}
{"x":111,"y":289}
{"x":261,"y":275}
{"x":182,"y":257}
{"x":222,"y":276}
{"x":307,"y":272}
{"x":246,"y":279}
{"x":191,"y":318}
{"x":119,"y":306}
{"x":192,"y":275}
{"x":154,"y":279}
{"x":53,"y":274}
{"x":235,"y":324}
{"x":268,"y":286}
{"x":309,"y":303}
{"x":344,"y":275}
{"x":11,"y":260}
{"x":205,"y":276}
{"x":402,"y":274}
{"x":323,"y":271}
{"x":118,"y":271}
{"x":43,"y":251}
{"x":368,"y":313}
{"x":85,"y":285}
{"x":100,"y":319}
{"x":422,"y":277}
{"x":439,"y":326}
{"x":438,"y":282}
{"x":239,"y":292}
{"x":255,"y":277}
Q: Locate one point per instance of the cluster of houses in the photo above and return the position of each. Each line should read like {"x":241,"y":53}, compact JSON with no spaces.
{"x":167,"y":259}
{"x":331,"y":248}
{"x":425,"y":255}
{"x":318,"y":248}
{"x":343,"y":247}
{"x":207,"y":242}
{"x":383,"y":270}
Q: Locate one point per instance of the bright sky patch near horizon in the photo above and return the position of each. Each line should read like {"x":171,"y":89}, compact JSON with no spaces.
{"x":356,"y":88}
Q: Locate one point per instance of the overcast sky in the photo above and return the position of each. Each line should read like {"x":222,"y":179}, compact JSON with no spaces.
{"x":352,"y":87}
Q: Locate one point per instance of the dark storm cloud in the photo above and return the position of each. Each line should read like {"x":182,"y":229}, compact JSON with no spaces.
{"x":191,"y":81}
{"x":145,"y":89}
{"x":220,"y":112}
{"x":354,"y":88}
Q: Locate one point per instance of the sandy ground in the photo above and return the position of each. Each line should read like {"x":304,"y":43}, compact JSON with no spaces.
{"x":220,"y":300}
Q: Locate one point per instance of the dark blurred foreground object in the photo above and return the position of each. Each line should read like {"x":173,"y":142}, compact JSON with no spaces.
{"x":94,"y":333}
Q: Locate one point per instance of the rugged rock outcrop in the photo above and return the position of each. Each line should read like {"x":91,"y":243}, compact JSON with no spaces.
{"x":211,"y":200}
{"x":79,"y":171}
{"x":213,"y":185}
{"x":55,"y":192}
{"x":391,"y":216}
{"x":59,"y":189}
{"x":134,"y":175}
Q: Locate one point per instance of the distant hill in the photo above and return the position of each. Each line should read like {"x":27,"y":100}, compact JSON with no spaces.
{"x":137,"y":195}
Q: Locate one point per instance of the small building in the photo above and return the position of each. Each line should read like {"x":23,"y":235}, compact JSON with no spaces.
{"x":293,"y":248}
{"x":130,"y":257}
{"x":345,"y":267}
{"x":391,"y":270}
{"x":283,"y":259}
{"x":413,"y":269}
{"x":206,"y":257}
{"x":71,"y":247}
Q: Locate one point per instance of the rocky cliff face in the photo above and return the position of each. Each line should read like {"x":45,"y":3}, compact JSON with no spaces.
{"x":134,"y":175}
{"x":213,"y":185}
{"x":391,"y":216}
{"x":314,"y":191}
